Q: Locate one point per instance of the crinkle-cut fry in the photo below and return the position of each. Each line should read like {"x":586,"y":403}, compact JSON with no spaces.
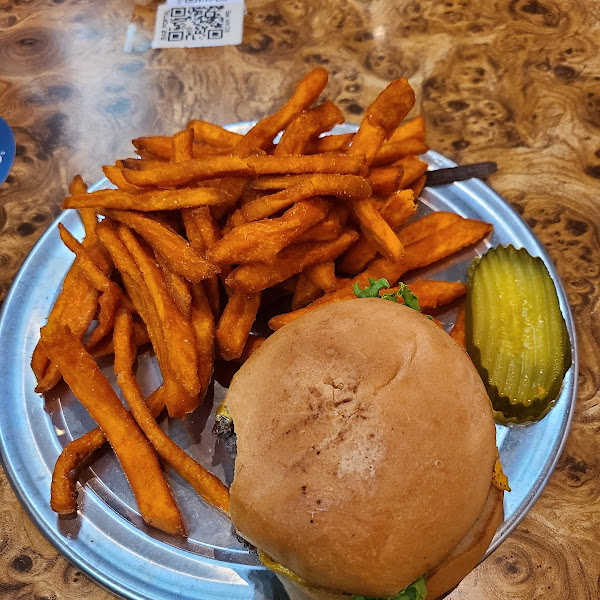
{"x":305,"y":292}
{"x":63,"y":491}
{"x":260,"y":241}
{"x":136,"y":286}
{"x":430,"y":249}
{"x":134,"y":451}
{"x":418,"y":185}
{"x":253,"y":343}
{"x":458,"y":331}
{"x":179,"y":255}
{"x":413,"y":168}
{"x":75,"y":306}
{"x":206,"y":484}
{"x":327,"y":229}
{"x":88,"y":216}
{"x":177,"y":330}
{"x":105,"y":346}
{"x":385,"y":180}
{"x":398,"y":208}
{"x":145,"y":200}
{"x":345,"y":187}
{"x":160,"y":146}
{"x":254,"y":277}
{"x":381,"y":118}
{"x":341,"y":164}
{"x":178,"y":287}
{"x":329,"y":143}
{"x":431,"y":294}
{"x":415,"y":128}
{"x":376,"y":229}
{"x":308,"y":124}
{"x":213,"y":135}
{"x":393,"y":151}
{"x":183,"y":146}
{"x":307,"y":90}
{"x":427,"y":225}
{"x":235,"y":323}
{"x":203,"y":322}
{"x":322,"y":275}
{"x":115,"y":176}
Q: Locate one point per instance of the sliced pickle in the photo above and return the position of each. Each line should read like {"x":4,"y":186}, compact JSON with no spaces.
{"x":516,"y":334}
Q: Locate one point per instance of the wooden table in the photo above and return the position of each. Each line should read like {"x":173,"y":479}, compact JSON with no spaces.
{"x":515,"y":82}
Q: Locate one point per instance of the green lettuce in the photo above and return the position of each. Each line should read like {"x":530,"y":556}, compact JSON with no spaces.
{"x":415,"y":591}
{"x":372,"y":291}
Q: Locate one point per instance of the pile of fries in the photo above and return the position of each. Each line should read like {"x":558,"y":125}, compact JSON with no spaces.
{"x":198,"y":227}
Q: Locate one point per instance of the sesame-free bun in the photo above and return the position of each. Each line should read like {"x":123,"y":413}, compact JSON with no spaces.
{"x":366,"y":445}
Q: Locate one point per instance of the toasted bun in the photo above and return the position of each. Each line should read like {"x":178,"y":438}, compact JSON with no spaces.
{"x":366,"y":446}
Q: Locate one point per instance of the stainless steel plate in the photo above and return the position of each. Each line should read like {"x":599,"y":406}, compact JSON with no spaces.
{"x":107,"y":539}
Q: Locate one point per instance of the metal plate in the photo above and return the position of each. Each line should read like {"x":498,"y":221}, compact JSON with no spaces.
{"x":107,"y":539}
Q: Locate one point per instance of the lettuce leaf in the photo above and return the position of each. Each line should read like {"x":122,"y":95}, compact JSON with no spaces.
{"x":415,"y":591}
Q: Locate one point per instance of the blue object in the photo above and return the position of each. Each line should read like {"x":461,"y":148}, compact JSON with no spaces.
{"x":7,"y":150}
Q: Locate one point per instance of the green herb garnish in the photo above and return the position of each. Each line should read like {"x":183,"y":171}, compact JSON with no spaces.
{"x":374,"y":287}
{"x":415,"y":591}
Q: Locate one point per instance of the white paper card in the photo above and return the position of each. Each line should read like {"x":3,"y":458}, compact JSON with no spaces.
{"x":199,"y":23}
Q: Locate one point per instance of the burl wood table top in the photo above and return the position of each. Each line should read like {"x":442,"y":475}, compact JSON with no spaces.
{"x":514,"y":82}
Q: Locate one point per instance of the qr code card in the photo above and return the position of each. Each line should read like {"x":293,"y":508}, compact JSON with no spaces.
{"x":199,"y":23}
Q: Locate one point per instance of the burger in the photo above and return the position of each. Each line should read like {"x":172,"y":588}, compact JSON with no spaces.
{"x":365,"y":454}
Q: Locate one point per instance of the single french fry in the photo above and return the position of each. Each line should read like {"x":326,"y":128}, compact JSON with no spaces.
{"x":105,"y":345}
{"x":345,"y":187}
{"x":434,"y":293}
{"x":206,"y":484}
{"x":235,"y":323}
{"x":158,"y":145}
{"x":385,"y":180}
{"x":427,"y":225}
{"x":413,"y":168}
{"x":307,"y":90}
{"x":63,"y":491}
{"x":308,"y":124}
{"x":414,"y":128}
{"x":178,"y":254}
{"x":458,"y":331}
{"x":115,"y":176}
{"x":393,"y":151}
{"x":253,"y":343}
{"x":177,"y":330}
{"x":417,"y":186}
{"x":183,"y":146}
{"x":135,"y":453}
{"x":259,"y":241}
{"x":381,"y":118}
{"x":203,"y":322}
{"x":305,"y":292}
{"x":146,"y":200}
{"x":327,"y":229}
{"x":269,"y":183}
{"x":213,"y":135}
{"x":108,"y":303}
{"x":254,"y":277}
{"x":340,"y":164}
{"x":88,"y":216}
{"x":398,"y":208}
{"x":376,"y":229}
{"x":329,"y":143}
{"x":141,"y":164}
{"x":322,"y":275}
{"x":178,"y":287}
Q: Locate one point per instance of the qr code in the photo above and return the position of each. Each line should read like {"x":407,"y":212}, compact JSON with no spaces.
{"x":195,"y":23}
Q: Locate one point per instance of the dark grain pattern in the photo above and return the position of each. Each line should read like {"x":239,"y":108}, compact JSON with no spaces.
{"x":517,"y":82}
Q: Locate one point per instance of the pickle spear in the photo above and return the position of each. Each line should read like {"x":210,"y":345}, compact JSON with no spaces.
{"x":516,"y":334}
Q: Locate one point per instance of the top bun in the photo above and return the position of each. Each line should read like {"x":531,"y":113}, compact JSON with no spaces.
{"x":366,"y":445}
